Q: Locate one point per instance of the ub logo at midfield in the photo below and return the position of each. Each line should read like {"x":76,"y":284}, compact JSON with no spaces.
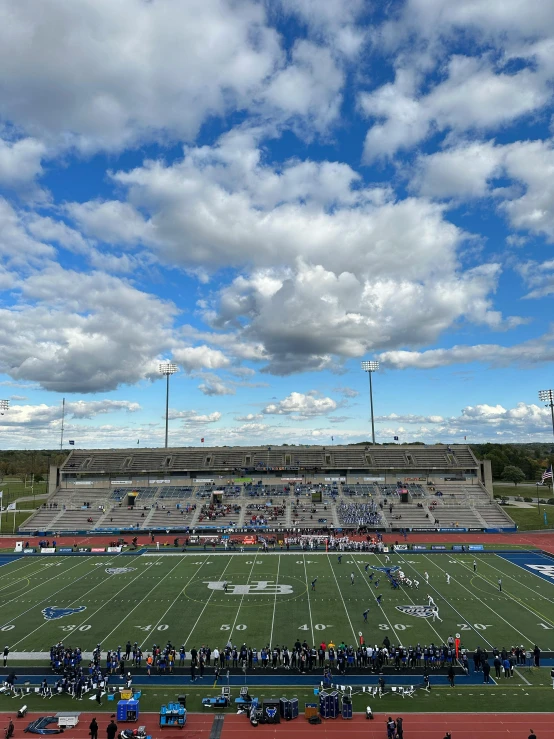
{"x":417,"y":611}
{"x":119,"y":570}
{"x":259,"y":587}
{"x":51,"y":613}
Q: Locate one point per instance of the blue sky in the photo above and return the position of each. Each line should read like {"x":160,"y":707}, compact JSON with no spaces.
{"x":268,"y":194}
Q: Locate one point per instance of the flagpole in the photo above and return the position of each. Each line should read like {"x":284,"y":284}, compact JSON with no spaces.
{"x":63,"y":418}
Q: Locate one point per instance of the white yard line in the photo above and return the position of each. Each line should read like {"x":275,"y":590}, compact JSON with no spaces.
{"x":380,"y":606}
{"x":432,"y":587}
{"x":488,"y":608}
{"x":308,"y":593}
{"x":49,"y":597}
{"x":206,"y":604}
{"x":405,"y":591}
{"x":341,"y":597}
{"x":242,"y":598}
{"x":520,"y":584}
{"x":511,"y":597}
{"x":150,"y":593}
{"x":274,"y":603}
{"x":17,"y":571}
{"x":90,"y":615}
{"x":521,"y":676}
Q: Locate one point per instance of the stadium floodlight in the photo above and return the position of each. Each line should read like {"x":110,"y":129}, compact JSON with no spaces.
{"x":547,"y":397}
{"x":370,"y":368}
{"x":4,"y":405}
{"x":167,"y":369}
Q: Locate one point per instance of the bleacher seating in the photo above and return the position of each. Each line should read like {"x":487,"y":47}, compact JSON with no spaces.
{"x":227,"y":514}
{"x":266,"y":514}
{"x":494,"y":516}
{"x":166,"y":482}
{"x":358,"y":513}
{"x":392,"y":458}
{"x":432,"y":458}
{"x":145,"y":495}
{"x":169,"y":516}
{"x":175,"y":492}
{"x":306,"y":514}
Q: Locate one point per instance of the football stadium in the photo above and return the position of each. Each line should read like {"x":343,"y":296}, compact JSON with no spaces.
{"x":276,"y":393}
{"x":278,"y":582}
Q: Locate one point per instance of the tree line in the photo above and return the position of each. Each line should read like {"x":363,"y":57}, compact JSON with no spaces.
{"x":530,"y":458}
{"x":516,"y":462}
{"x":24,"y":463}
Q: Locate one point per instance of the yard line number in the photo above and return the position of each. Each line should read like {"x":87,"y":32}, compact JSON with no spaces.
{"x":479,"y":627}
{"x":398,"y":627}
{"x":317,"y":627}
{"x":238,"y":627}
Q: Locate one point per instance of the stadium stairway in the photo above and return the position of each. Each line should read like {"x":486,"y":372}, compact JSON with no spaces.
{"x":148,"y":518}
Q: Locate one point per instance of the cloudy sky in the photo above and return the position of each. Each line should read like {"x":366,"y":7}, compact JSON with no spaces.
{"x":267,"y":193}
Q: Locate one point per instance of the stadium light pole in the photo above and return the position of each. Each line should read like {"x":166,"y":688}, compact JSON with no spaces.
{"x":167,"y":369}
{"x":547,"y":397}
{"x":370,"y":368}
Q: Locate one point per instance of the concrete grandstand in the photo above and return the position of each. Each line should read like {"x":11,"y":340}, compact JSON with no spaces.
{"x":391,"y":488}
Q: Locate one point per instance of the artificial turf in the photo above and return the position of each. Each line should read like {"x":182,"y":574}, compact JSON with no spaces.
{"x":159,"y":597}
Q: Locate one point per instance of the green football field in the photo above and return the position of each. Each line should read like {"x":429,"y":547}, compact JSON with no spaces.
{"x":153,"y":598}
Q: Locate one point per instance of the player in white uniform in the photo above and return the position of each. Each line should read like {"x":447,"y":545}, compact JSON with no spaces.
{"x":426,"y":576}
{"x":436,"y":614}
{"x":431,"y":601}
{"x":416,"y":584}
{"x":447,"y":579}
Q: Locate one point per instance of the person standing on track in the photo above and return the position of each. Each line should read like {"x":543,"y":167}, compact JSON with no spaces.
{"x":399,"y":728}
{"x":93,"y":729}
{"x":111,"y":729}
{"x":391,"y":728}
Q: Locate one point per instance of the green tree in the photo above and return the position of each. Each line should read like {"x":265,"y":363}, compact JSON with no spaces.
{"x":513,"y":474}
